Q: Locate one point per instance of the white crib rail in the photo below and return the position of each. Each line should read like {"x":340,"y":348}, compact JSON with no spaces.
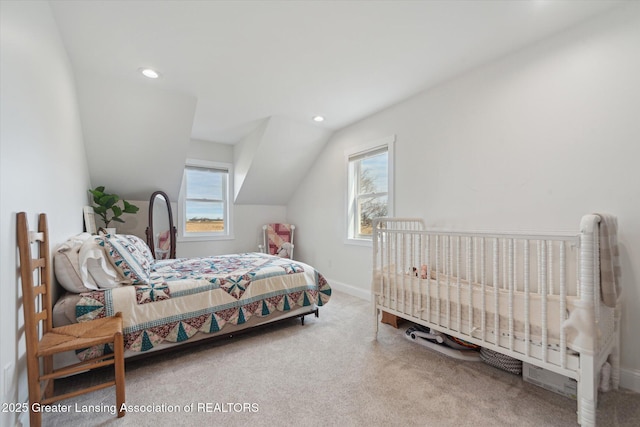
{"x":535,"y":297}
{"x":458,"y":263}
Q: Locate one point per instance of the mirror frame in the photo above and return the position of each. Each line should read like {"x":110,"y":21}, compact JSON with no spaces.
{"x":172,"y":228}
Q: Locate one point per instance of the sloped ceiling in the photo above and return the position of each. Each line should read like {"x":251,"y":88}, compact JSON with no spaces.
{"x":231,"y":68}
{"x":276,"y":155}
{"x":136,"y":135}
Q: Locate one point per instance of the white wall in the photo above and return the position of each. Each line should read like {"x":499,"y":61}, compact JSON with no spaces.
{"x":532,"y":141}
{"x":43,"y":165}
{"x":247,"y":219}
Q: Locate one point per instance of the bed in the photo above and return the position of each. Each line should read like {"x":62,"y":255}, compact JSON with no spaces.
{"x":165,"y":303}
{"x":551,"y":300}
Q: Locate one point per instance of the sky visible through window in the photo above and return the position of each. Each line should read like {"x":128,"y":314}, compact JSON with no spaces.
{"x":376,"y":168}
{"x":204,"y":184}
{"x":371,"y":200}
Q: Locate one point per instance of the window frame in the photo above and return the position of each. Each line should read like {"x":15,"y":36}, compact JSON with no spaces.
{"x":183,"y":236}
{"x":351,"y":196}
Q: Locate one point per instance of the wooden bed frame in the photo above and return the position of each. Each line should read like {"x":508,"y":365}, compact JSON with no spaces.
{"x":542,"y":292}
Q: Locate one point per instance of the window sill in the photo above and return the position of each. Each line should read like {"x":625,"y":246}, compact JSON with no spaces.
{"x":205,"y":238}
{"x":359,"y":242}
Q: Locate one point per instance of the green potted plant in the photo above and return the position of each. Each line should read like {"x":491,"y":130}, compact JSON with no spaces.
{"x":108,"y":208}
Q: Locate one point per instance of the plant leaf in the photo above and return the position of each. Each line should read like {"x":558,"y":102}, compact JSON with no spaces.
{"x":105,"y":202}
{"x":117,"y":211}
{"x":100,"y":210}
{"x":129,"y":208}
{"x":108,"y":200}
{"x":96,"y":195}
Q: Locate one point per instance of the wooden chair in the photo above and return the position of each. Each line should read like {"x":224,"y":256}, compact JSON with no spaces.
{"x":277,"y":239}
{"x":36,"y":300}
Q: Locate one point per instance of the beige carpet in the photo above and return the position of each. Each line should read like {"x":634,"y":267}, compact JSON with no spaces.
{"x":330,"y":372}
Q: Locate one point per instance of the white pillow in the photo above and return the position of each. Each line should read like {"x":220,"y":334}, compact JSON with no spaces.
{"x":129,"y":255}
{"x":96,"y":270}
{"x":66,"y":264}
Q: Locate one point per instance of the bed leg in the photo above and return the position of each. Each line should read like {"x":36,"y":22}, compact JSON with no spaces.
{"x":316,"y":312}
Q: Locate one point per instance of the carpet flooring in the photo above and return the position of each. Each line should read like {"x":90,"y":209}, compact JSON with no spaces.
{"x":329,"y":372}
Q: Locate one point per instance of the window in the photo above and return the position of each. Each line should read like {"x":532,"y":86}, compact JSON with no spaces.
{"x":370,"y":185}
{"x":204,"y":200}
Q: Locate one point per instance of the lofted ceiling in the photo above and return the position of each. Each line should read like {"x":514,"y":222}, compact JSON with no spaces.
{"x":227,"y":66}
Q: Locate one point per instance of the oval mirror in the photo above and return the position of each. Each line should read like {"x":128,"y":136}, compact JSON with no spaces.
{"x":161,"y":233}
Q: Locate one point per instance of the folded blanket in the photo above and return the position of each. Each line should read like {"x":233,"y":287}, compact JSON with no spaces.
{"x":609,"y":260}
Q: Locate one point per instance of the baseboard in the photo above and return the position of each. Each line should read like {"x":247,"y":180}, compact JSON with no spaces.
{"x":630,"y":379}
{"x":350,"y":289}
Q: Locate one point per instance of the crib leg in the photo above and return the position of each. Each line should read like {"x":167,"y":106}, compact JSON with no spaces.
{"x":614,"y":359}
{"x":587,"y":391}
{"x":376,"y":313}
{"x":615,"y":353}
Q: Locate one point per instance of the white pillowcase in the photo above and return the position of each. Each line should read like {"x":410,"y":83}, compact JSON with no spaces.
{"x":96,"y":270}
{"x":130,"y":255}
{"x":66,"y":264}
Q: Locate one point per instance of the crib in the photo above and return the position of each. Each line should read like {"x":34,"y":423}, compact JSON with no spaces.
{"x":534,"y":297}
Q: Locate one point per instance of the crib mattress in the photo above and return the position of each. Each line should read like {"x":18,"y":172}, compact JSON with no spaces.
{"x":476,"y":310}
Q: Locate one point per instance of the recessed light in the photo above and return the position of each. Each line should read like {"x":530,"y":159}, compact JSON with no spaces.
{"x":318,"y":119}
{"x":148,"y":72}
